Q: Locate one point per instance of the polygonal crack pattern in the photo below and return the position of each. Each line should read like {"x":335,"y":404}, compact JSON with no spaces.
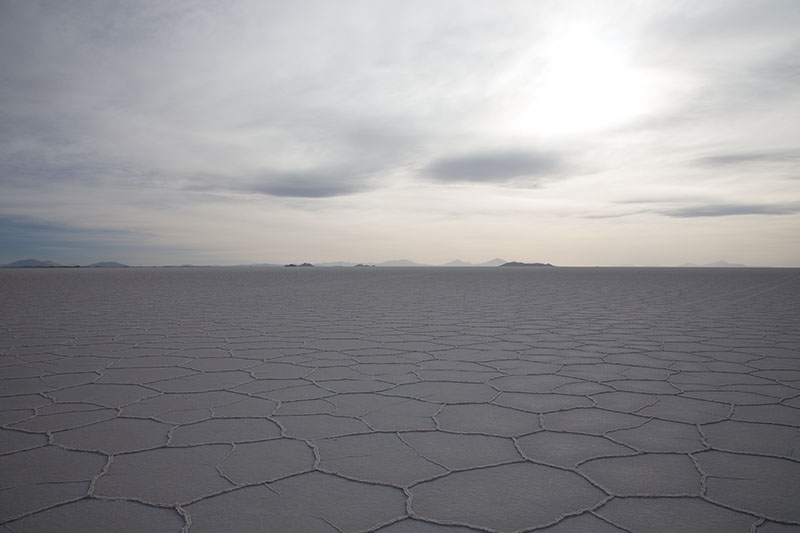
{"x":400,"y":400}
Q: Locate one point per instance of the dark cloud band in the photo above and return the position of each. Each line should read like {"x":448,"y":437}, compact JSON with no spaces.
{"x":749,"y":157}
{"x":726,"y":210}
{"x":493,"y":167}
{"x":305,"y":186}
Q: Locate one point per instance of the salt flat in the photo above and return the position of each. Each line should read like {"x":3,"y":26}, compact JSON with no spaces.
{"x":400,"y":400}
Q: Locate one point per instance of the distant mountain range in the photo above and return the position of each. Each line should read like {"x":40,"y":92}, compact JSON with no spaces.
{"x":35,"y":263}
{"x":32,"y":263}
{"x":400,"y":263}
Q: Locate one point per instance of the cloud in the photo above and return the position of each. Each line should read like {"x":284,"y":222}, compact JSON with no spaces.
{"x":724,"y":210}
{"x":749,"y":157}
{"x":305,"y":185}
{"x":681,"y":209}
{"x":494,"y":167}
{"x":315,"y":183}
{"x":721,"y":65}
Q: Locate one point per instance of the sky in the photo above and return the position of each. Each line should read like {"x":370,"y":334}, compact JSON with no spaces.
{"x":570,"y":132}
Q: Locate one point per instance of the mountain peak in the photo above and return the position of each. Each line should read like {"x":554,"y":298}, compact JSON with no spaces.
{"x":399,"y":263}
{"x":725,"y":264}
{"x":32,"y":263}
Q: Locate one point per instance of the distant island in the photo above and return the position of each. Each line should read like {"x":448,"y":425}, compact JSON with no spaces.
{"x":302,"y":265}
{"x":519,"y":264}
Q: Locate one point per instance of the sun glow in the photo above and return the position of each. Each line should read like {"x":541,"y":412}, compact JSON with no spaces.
{"x":584,"y":85}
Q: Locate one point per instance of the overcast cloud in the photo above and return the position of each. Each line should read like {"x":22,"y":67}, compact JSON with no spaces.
{"x":253,"y":131}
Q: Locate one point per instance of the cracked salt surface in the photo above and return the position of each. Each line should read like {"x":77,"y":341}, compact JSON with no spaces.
{"x":400,"y":400}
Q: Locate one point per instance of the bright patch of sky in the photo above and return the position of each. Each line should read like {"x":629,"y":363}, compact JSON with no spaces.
{"x":571,"y":132}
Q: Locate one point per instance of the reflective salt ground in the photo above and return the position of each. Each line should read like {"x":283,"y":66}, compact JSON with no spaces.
{"x":400,"y":400}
